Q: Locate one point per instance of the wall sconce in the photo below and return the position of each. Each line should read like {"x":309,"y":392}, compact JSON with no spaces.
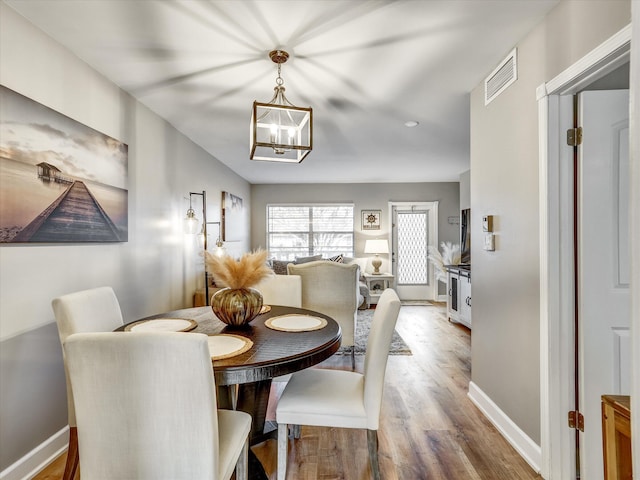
{"x":220,"y":251}
{"x":191,"y":224}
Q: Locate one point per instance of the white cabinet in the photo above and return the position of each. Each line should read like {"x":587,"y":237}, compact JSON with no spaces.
{"x":453,"y":296}
{"x":459,"y":295}
{"x":465,"y":298}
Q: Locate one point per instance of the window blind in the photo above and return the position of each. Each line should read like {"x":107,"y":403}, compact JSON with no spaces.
{"x":307,"y":230}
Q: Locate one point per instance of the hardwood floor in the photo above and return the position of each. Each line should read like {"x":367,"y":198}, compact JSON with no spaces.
{"x":429,"y":428}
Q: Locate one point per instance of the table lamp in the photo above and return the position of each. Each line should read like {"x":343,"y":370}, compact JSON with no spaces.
{"x":376,"y":246}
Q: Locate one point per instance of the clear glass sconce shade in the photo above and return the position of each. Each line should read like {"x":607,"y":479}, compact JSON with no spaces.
{"x":220,"y":251}
{"x":191,"y":222}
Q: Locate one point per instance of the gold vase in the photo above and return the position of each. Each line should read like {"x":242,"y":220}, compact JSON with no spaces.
{"x":236,"y":306}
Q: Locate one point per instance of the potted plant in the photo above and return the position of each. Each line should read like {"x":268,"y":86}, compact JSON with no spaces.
{"x":450,"y":256}
{"x":237,"y":303}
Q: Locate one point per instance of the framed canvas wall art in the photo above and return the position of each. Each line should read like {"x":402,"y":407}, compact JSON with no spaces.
{"x":60,"y":181}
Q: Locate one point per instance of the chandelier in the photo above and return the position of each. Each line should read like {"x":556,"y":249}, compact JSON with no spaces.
{"x":280,"y":131}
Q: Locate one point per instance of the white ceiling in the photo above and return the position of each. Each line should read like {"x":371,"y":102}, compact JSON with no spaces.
{"x":365,"y":67}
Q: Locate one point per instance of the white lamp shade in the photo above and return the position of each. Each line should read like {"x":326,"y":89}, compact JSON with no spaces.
{"x":376,"y":246}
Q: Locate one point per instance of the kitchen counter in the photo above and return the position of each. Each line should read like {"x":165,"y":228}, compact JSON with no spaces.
{"x":463,"y":267}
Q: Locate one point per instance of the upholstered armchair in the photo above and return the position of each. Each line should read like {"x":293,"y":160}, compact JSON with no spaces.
{"x":280,"y":268}
{"x":331,"y":288}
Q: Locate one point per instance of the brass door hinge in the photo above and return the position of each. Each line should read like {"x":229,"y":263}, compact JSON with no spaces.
{"x":576,"y":420}
{"x":574,"y":137}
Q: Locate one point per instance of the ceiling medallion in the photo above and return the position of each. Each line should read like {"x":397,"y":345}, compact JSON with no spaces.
{"x":280,"y":131}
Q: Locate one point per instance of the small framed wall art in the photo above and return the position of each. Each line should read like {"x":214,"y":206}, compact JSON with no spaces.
{"x":371,"y":219}
{"x":232,"y":217}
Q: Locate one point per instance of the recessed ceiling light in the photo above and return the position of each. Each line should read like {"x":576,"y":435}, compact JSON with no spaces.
{"x":410,"y":123}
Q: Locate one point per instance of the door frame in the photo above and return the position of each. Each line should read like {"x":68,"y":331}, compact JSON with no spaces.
{"x":556,"y":251}
{"x":432,"y":237}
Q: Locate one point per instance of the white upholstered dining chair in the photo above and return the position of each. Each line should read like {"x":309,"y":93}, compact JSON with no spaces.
{"x":338,"y":398}
{"x":146,"y":409}
{"x":283,"y":290}
{"x":93,"y":310}
{"x":332,"y":288}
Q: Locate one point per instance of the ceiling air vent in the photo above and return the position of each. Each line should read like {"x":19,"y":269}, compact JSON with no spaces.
{"x":504,"y":75}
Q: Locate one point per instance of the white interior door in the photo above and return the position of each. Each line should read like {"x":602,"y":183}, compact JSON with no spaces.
{"x":414,"y":229}
{"x":603,"y":264}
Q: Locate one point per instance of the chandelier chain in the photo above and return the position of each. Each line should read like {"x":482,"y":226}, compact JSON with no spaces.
{"x":279,"y":79}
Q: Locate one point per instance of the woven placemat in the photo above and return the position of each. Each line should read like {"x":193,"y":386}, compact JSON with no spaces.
{"x":225,"y":345}
{"x":265,"y":309}
{"x":296,"y":323}
{"x":162,"y":325}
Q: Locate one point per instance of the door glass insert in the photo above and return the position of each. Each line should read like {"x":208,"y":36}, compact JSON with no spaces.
{"x":412,"y":248}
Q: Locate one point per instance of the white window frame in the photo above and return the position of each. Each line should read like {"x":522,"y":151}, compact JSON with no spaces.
{"x":310,"y":232}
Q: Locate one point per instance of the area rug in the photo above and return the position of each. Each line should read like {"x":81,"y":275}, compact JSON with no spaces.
{"x":398,"y":346}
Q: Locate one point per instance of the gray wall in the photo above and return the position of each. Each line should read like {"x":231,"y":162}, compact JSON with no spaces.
{"x":365,"y":196}
{"x":156,"y":270}
{"x":504,"y":162}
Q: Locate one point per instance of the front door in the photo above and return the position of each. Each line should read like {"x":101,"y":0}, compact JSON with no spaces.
{"x":413,"y":230}
{"x":603,"y":264}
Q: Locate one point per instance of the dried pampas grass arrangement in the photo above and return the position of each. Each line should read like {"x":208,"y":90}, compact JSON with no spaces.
{"x":450,"y":256}
{"x":243,"y":273}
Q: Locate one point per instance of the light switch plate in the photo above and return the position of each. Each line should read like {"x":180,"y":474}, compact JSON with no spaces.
{"x":487,"y":223}
{"x":489,"y":242}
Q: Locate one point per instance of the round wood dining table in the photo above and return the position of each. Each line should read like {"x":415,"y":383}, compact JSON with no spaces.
{"x":244,"y":380}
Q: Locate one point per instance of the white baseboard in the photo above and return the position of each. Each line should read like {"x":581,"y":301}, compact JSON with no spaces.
{"x":37,"y":459}
{"x":527,"y":448}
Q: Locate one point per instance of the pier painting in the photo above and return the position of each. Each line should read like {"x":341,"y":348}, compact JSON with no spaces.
{"x":60,"y":181}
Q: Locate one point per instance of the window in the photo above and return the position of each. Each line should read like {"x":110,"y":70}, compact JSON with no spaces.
{"x":306,"y":230}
